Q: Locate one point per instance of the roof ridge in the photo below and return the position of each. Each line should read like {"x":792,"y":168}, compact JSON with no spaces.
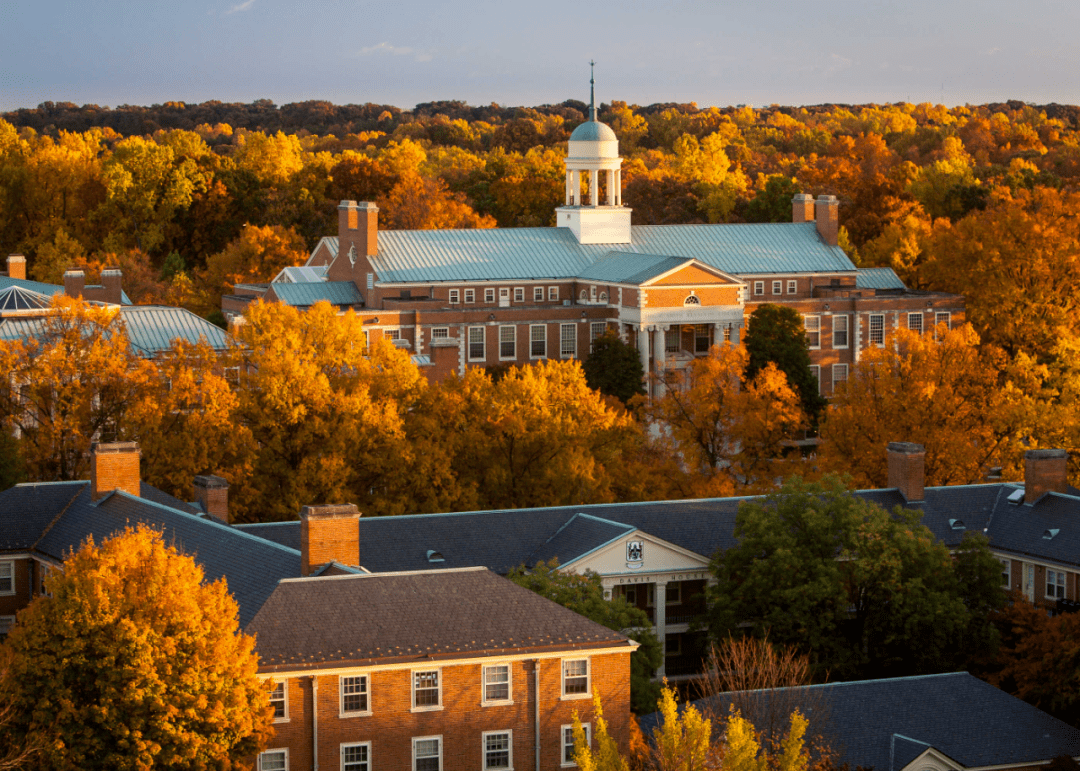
{"x":391,"y":574}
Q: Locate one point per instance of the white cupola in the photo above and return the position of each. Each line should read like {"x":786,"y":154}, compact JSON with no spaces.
{"x":599,"y":216}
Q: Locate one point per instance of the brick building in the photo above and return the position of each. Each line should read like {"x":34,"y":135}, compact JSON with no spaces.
{"x":430,"y":669}
{"x":468,"y":298}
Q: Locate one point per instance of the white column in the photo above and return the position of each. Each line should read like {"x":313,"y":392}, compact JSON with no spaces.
{"x":618,"y":187}
{"x":611,"y":187}
{"x":576,"y":188}
{"x":660,"y":613}
{"x":569,"y":185}
{"x":594,"y":187}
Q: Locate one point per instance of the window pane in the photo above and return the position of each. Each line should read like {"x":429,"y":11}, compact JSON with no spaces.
{"x":877,"y":330}
{"x":354,"y":694}
{"x":812,"y":324}
{"x":497,"y":751}
{"x":576,"y":676}
{"x":272,"y":761}
{"x":568,"y":340}
{"x":507,"y":338}
{"x":538,"y":340}
{"x":426,"y":689}
{"x":839,"y":334}
{"x":914,"y":322}
{"x":497,"y":683}
{"x":277,"y":700}
{"x":476,"y":342}
{"x":355,"y":758}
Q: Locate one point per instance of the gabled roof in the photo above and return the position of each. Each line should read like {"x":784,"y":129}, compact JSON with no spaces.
{"x":301,"y":275}
{"x":878,"y":278}
{"x":888,"y":723}
{"x":629,"y":268}
{"x":554,"y":253}
{"x":418,"y":616}
{"x":582,"y":534}
{"x":334,"y":292}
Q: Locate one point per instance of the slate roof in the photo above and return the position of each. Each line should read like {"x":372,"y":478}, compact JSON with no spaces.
{"x":878,"y":278}
{"x":335,"y":292}
{"x":581,"y":535}
{"x":554,"y":253}
{"x":888,"y":723}
{"x":51,"y":520}
{"x":422,"y":616}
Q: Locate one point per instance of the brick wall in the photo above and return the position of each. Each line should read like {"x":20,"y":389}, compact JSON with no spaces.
{"x":391,"y":725}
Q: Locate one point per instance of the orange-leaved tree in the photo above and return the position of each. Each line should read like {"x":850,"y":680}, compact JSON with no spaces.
{"x":132,"y":661}
{"x":947,"y":394}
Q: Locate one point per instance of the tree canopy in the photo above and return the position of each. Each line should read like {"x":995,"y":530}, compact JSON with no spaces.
{"x":614,"y":368}
{"x":775,"y":334}
{"x":132,"y":660}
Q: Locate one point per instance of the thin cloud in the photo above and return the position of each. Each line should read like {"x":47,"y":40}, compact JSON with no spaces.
{"x":385,"y":48}
{"x":244,"y":6}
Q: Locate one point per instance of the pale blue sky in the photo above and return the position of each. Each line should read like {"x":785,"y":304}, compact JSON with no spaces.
{"x":112,"y":52}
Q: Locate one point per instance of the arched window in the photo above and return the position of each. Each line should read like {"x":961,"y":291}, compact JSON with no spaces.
{"x":692,"y":300}
{"x":584,"y":296}
{"x":603,"y":297}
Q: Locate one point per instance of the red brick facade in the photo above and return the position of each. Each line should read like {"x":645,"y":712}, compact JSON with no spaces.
{"x":391,"y":723}
{"x":114,"y":466}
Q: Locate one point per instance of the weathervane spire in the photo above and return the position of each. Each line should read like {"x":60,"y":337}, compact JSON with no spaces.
{"x":592,"y":91}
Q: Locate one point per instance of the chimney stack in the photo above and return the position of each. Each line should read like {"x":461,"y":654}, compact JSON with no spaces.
{"x":827,"y":216}
{"x":74,"y":282}
{"x":111,"y":280}
{"x":212,"y":493}
{"x":358,"y":224}
{"x":114,"y":466}
{"x":907,"y":469}
{"x":802,"y":208}
{"x":16,"y":266}
{"x":329,"y":533}
{"x":1045,"y":471}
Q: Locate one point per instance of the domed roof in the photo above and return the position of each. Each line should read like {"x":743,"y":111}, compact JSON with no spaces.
{"x":593,"y":131}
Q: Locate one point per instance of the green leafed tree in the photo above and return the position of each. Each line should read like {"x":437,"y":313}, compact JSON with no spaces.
{"x":132,"y":661}
{"x":614,"y":368}
{"x":775,"y":333}
{"x":584,"y":594}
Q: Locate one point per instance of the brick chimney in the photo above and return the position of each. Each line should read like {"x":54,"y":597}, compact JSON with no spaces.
{"x":358,"y":224}
{"x":907,"y":469}
{"x":802,"y":208}
{"x":16,"y":266}
{"x":827,"y":216}
{"x":74,"y":282}
{"x":1045,"y":471}
{"x":111,"y":280}
{"x":114,"y":466}
{"x":329,"y":533}
{"x":212,"y":493}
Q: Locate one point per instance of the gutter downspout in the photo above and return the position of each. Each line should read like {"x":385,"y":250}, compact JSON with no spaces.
{"x":536,"y":679}
{"x":315,"y":722}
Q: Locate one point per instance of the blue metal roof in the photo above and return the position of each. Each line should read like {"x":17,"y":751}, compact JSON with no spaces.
{"x":593,"y":131}
{"x":630,"y":268}
{"x":46,"y":289}
{"x":152,"y":328}
{"x":333,"y":292}
{"x":878,"y":278}
{"x":886,"y":724}
{"x":505,"y":254}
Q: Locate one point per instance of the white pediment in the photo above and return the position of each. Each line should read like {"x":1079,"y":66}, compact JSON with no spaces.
{"x":637,"y":553}
{"x":929,"y":760}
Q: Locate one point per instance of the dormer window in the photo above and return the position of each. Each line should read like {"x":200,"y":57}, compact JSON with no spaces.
{"x":435,"y":556}
{"x":957,"y":524}
{"x":1049,"y":534}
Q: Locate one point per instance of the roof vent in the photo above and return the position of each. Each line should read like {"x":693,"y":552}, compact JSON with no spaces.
{"x":957,"y":524}
{"x":435,"y":556}
{"x":1016,"y":496}
{"x":1051,"y":533}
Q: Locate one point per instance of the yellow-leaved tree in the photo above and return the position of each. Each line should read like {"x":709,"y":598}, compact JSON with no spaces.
{"x":133,"y":661}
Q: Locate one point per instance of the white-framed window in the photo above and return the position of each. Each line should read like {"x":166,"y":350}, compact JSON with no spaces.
{"x":877,"y":329}
{"x":455,"y":296}
{"x":538,"y":294}
{"x":568,"y":340}
{"x":942,"y":317}
{"x":759,"y":287}
{"x":489,"y":296}
{"x":671,"y":339}
{"x":596,"y":329}
{"x":440,"y":333}
{"x":691,"y":300}
{"x":470,"y":296}
{"x":792,"y":286}
{"x":274,"y":760}
{"x":356,"y":756}
{"x":427,"y":689}
{"x":279,"y":700}
{"x":508,"y":342}
{"x":839,"y":332}
{"x":1055,"y":585}
{"x":777,"y":287}
{"x":1006,"y":573}
{"x":476,"y":343}
{"x":914,"y":322}
{"x":727,"y":333}
{"x":584,"y":296}
{"x":538,"y":341}
{"x":496,"y":684}
{"x":504,"y":295}
{"x":6,"y":622}
{"x":575,"y":678}
{"x":553,"y":293}
{"x":519,"y":294}
{"x":815,"y":370}
{"x":7,"y":577}
{"x":392,"y":334}
{"x":427,"y":753}
{"x":568,"y":742}
{"x":603,"y":297}
{"x":812,"y":325}
{"x":839,"y":374}
{"x":354,"y":694}
{"x":498,"y":749}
